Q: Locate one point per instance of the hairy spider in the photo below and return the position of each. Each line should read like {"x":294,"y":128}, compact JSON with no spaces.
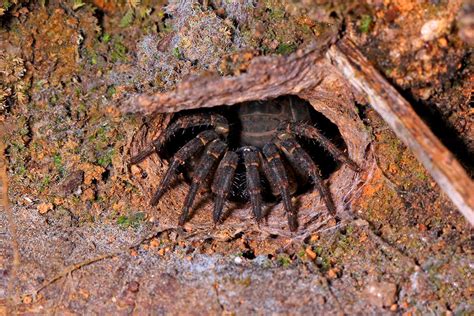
{"x":263,"y":148}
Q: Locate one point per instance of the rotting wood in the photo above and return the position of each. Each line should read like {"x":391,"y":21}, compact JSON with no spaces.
{"x":406,"y":124}
{"x":266,"y":77}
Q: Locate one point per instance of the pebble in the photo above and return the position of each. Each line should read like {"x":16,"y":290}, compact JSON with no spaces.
{"x":44,"y":208}
{"x":381,"y":294}
{"x":133,"y":286}
{"x":27,"y":299}
{"x":433,"y":29}
{"x":310,"y":253}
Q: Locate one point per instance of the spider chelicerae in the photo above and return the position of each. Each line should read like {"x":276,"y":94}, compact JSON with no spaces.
{"x":249,"y":151}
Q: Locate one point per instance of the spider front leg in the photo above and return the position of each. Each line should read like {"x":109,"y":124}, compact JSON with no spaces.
{"x":252,"y":164}
{"x":214,"y":151}
{"x":223,"y":182}
{"x":280,"y":180}
{"x":185,"y":152}
{"x":306,"y":130}
{"x":218,"y":122}
{"x":299,"y":157}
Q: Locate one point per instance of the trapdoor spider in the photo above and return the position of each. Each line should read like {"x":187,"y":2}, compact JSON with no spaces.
{"x":261,"y":151}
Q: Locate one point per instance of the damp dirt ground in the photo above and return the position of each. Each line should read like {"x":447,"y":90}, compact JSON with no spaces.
{"x":79,"y":236}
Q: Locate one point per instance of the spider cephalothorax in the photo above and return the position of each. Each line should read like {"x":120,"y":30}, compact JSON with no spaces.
{"x":261,"y":147}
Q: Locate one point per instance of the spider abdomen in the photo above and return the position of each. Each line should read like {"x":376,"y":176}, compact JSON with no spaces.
{"x":260,"y":119}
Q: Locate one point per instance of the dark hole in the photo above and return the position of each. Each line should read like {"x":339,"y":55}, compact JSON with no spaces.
{"x":333,"y":15}
{"x":254,"y":118}
{"x":249,"y":254}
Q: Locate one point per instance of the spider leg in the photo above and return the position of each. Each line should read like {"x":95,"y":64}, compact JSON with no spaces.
{"x":185,"y":152}
{"x":217,"y":121}
{"x":142,"y":155}
{"x":280,"y":178}
{"x":223,"y":182}
{"x":269,"y":175}
{"x":214,"y":151}
{"x":309,"y":131}
{"x":252,"y":164}
{"x":299,"y":157}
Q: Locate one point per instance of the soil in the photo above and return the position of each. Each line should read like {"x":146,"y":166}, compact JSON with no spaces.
{"x":79,"y":235}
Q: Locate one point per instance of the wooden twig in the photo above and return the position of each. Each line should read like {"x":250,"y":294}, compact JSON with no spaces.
{"x":79,"y":265}
{"x":406,"y":124}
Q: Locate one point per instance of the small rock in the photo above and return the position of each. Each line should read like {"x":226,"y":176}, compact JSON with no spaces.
{"x":238,"y":260}
{"x":310,"y":253}
{"x":433,"y":29}
{"x":44,"y":208}
{"x":381,"y":294}
{"x":133,"y":286}
{"x":333,"y":273}
{"x":72,"y":182}
{"x":442,"y":42}
{"x":154,"y":243}
{"x":88,"y":195}
{"x":314,"y":238}
{"x":27,"y":299}
{"x":135,"y":170}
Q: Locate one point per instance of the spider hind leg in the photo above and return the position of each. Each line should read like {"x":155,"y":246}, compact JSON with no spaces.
{"x":299,"y":157}
{"x":279,"y":179}
{"x":213,"y":153}
{"x":254,"y":189}
{"x":187,"y":151}
{"x":223,"y":182}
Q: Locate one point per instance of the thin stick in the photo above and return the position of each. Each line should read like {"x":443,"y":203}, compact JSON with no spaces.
{"x":406,"y":124}
{"x":74,"y":267}
{"x":89,"y":261}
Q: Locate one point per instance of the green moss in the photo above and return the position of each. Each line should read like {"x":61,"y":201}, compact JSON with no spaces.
{"x":177,"y":53}
{"x":127,"y":19}
{"x":277,"y":13}
{"x":119,"y":52}
{"x":323,"y":263}
{"x":284,"y":260}
{"x":45,"y":183}
{"x":365,"y":23}
{"x":93,"y":59}
{"x":106,"y":38}
{"x":349,"y":230}
{"x":106,"y":159}
{"x":134,"y":220}
{"x":6,"y":4}
{"x":58,"y":164}
{"x":301,"y":254}
{"x":285,"y":49}
{"x":421,"y":175}
{"x":110,"y":91}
